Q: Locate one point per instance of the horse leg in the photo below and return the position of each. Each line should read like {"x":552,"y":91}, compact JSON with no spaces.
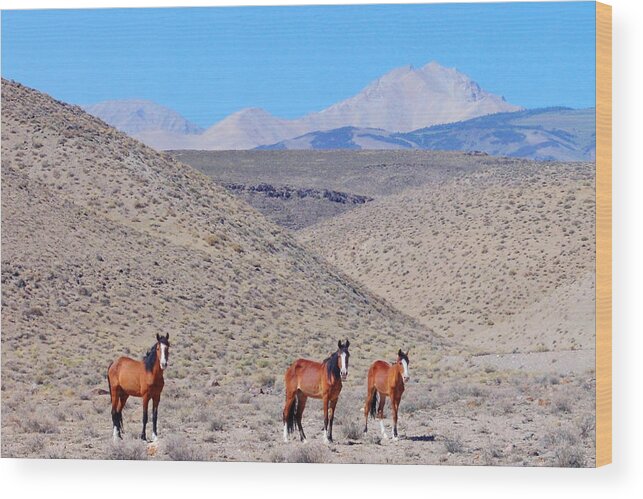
{"x":146,"y":403}
{"x":367,"y":406}
{"x":122,"y":400}
{"x":331,"y":415}
{"x":301,"y":404}
{"x":290,"y":400}
{"x":395,"y":404}
{"x":115,"y":415}
{"x":325,"y":405}
{"x":380,"y":413}
{"x":155,"y":412}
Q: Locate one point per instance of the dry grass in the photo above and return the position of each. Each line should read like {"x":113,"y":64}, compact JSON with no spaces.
{"x":128,"y":450}
{"x":179,"y":448}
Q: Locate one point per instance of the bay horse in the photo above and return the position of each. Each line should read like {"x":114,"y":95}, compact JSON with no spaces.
{"x":386,"y":380}
{"x":320,"y":380}
{"x":138,"y":378}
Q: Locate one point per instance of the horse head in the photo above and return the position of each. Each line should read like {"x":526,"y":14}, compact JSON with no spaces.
{"x":343,"y":355}
{"x":163,"y":349}
{"x":403,"y":361}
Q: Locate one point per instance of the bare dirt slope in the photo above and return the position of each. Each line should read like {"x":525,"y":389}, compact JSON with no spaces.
{"x":500,"y":259}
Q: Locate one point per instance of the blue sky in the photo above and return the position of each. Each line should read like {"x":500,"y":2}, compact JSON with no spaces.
{"x":208,"y":62}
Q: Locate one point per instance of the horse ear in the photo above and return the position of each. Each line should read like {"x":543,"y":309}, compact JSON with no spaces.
{"x":399,"y":352}
{"x":158,"y":338}
{"x":167,"y":336}
{"x":347,"y":342}
{"x":407,"y":353}
{"x":339,"y":343}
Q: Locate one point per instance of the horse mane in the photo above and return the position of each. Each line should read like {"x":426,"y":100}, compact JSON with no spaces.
{"x":332,"y":369}
{"x":150,"y":358}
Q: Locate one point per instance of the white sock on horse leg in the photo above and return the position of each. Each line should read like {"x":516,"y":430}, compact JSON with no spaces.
{"x":285,"y":433}
{"x":383,"y":429}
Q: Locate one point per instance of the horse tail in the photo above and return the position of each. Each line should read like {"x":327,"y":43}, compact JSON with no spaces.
{"x":372,"y":409}
{"x":290,"y":420}
{"x":109,"y":383}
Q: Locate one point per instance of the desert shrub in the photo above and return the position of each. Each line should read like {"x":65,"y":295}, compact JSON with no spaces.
{"x":570,"y":456}
{"x":309,"y":453}
{"x":586,"y":425}
{"x":180,"y":449}
{"x":352,"y":430}
{"x":34,"y":445}
{"x":128,"y":450}
{"x":200,"y":415}
{"x":453,"y":444}
{"x":245,"y":398}
{"x":373,"y":438}
{"x":267,"y":380}
{"x":32,"y":312}
{"x":490,"y":453}
{"x":559,"y":437}
{"x":212,"y":240}
{"x":39,"y":424}
{"x":548,"y":379}
{"x":57,"y":452}
{"x":507,"y":406}
{"x":561,"y":404}
{"x":91,"y":432}
{"x":276,"y":456}
{"x":216,"y":423}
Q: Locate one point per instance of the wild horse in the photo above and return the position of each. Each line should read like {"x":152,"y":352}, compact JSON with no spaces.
{"x":138,"y":378}
{"x":320,"y":380}
{"x":388,"y":381}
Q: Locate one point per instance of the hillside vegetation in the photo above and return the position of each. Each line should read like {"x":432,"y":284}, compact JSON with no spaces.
{"x":500,"y":259}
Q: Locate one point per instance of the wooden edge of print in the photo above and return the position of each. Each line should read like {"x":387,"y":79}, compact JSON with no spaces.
{"x":603,"y":234}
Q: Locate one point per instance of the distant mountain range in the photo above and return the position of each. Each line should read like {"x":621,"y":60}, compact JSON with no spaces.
{"x":402,"y":100}
{"x":138,"y":116}
{"x":432,"y":107}
{"x":544,"y":134}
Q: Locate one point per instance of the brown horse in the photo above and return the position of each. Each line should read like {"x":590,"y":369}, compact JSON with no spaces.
{"x":138,"y":378}
{"x":307,"y":378}
{"x":388,"y":381}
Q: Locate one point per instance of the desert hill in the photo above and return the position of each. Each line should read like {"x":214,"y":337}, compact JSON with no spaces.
{"x":483,"y":257}
{"x":242,"y":267}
